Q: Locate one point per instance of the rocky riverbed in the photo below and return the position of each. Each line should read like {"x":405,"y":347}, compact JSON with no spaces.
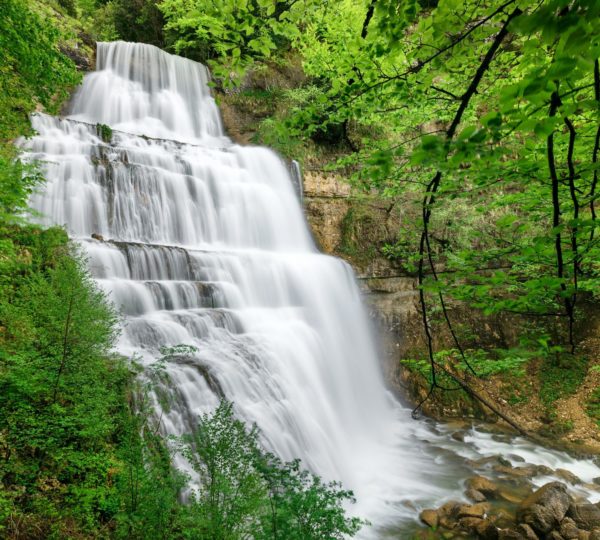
{"x":505,"y":503}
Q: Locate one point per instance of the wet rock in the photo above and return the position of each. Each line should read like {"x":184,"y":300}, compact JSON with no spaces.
{"x":595,"y":534}
{"x":474,"y":510}
{"x":543,"y":470}
{"x":509,"y":497}
{"x":567,"y":476}
{"x":583,"y":535}
{"x":504,"y":519}
{"x":509,"y":534}
{"x":554,"y":535}
{"x":568,"y":529}
{"x":474,"y":495}
{"x":586,"y":516}
{"x":544,"y":509}
{"x":97,"y":236}
{"x":458,"y":436}
{"x":487,"y":530}
{"x":527,"y":532}
{"x":448,"y":514}
{"x":522,"y":472}
{"x":469,"y":523}
{"x":483,"y":485}
{"x":430,"y":518}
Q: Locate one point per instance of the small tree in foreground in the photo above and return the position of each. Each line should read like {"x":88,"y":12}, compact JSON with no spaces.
{"x":249,"y":493}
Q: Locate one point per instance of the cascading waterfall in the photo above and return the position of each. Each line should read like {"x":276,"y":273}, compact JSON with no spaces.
{"x":202,"y":242}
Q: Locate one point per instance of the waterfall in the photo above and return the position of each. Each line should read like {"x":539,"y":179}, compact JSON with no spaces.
{"x":202,"y":242}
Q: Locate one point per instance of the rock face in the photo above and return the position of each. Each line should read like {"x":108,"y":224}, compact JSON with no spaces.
{"x":544,"y":509}
{"x":585,"y":516}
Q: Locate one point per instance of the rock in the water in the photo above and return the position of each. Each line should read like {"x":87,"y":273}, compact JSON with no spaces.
{"x":474,"y":495}
{"x":483,"y":485}
{"x":97,"y":236}
{"x":509,"y":534}
{"x":586,"y":516}
{"x":568,"y":529}
{"x":544,"y":509}
{"x":567,"y":476}
{"x":448,"y":514}
{"x":430,"y":518}
{"x":509,"y":496}
{"x":527,"y":532}
{"x":474,"y":510}
{"x":486,"y":530}
{"x":523,"y":472}
{"x":469,"y":523}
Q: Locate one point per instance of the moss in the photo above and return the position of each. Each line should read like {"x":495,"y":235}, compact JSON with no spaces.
{"x":363,"y":230}
{"x":105,"y":132}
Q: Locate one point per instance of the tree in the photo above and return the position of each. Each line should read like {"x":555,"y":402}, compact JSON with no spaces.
{"x":230,"y":34}
{"x":486,"y":113}
{"x":246,"y":492}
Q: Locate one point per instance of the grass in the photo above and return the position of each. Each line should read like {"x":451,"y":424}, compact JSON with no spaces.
{"x":561,"y":379}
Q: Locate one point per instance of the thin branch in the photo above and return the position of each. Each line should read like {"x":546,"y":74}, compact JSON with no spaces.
{"x":574,"y":229}
{"x":596,"y":149}
{"x":434,"y":184}
{"x":556,"y":213}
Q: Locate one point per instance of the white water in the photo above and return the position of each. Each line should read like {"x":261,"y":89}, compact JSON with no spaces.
{"x":208,"y":247}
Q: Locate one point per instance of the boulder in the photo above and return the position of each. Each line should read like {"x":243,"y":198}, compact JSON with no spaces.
{"x":98,"y":237}
{"x":586,"y":516}
{"x":554,"y":535}
{"x":483,"y":485}
{"x":544,"y":509}
{"x":430,"y":518}
{"x":595,"y":534}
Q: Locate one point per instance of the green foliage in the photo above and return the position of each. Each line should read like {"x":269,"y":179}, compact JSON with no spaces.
{"x":593,"y":406}
{"x":561,"y":377}
{"x":247,"y":492}
{"x":32,"y":69}
{"x":105,"y":132}
{"x":231,"y":34}
{"x":138,"y":20}
{"x":17,"y":182}
{"x":483,"y":363}
{"x":60,"y":389}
